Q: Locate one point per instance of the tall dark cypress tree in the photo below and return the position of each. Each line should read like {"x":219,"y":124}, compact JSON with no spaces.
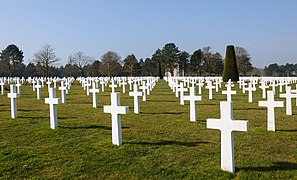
{"x":230,"y":66}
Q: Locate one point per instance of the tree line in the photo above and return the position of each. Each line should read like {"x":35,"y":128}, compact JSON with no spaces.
{"x":167,"y":60}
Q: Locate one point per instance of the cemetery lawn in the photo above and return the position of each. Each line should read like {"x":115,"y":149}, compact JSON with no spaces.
{"x":159,"y":143}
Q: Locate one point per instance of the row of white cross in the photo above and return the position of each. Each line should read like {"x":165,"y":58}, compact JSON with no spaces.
{"x":114,"y":109}
{"x":226,"y":124}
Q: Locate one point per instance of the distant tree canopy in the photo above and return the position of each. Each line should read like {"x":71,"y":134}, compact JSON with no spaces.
{"x":280,"y":70}
{"x":11,"y":60}
{"x":202,"y":62}
{"x":243,"y":61}
{"x":110,"y":64}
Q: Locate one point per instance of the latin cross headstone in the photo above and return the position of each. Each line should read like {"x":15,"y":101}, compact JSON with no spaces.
{"x":288,"y":95}
{"x":113,"y":86}
{"x":53,"y":101}
{"x":135,"y":94}
{"x":182,"y":89}
{"x":13,"y":105}
{"x":38,"y":87}
{"x":88,"y":85}
{"x":295,"y":92}
{"x":209,"y":87}
{"x":18,"y":86}
{"x":2,"y":86}
{"x":102,"y":85}
{"x":144,"y":90}
{"x":33,"y":84}
{"x":94,"y":91}
{"x":192,"y":98}
{"x":229,"y":91}
{"x":63,"y":88}
{"x":123,"y":84}
{"x":263,"y":86}
{"x":200,"y":84}
{"x":115,"y":110}
{"x":226,"y":124}
{"x":250,"y":89}
{"x":271,"y":104}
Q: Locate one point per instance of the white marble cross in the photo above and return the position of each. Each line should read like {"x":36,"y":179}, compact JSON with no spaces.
{"x":95,"y":90}
{"x":102,"y":82}
{"x":271,"y":104}
{"x":263,"y":86}
{"x":18,"y":86}
{"x":115,"y":110}
{"x":295,"y":91}
{"x":229,"y":91}
{"x":250,"y":89}
{"x":144,"y":90}
{"x":135,"y":94}
{"x":113,"y":86}
{"x":226,"y":124}
{"x":33,"y":84}
{"x":53,"y":101}
{"x":38,"y":87}
{"x":63,"y":88}
{"x":209,"y":87}
{"x":123,"y":84}
{"x":87,"y":85}
{"x":2,"y":86}
{"x":13,"y":95}
{"x":181,"y":90}
{"x":200,"y":84}
{"x":288,"y":95}
{"x":192,"y":98}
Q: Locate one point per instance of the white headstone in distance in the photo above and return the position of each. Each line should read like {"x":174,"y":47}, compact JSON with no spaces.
{"x":13,"y":95}
{"x":135,"y":94}
{"x":38,"y":87}
{"x":229,"y":92}
{"x":2,"y":86}
{"x":271,"y":104}
{"x":250,"y":89}
{"x":123,"y":84}
{"x":102,"y":82}
{"x":94,"y":91}
{"x":288,"y":95}
{"x":113,"y":86}
{"x":115,"y":110}
{"x":209,"y":87}
{"x":295,"y":92}
{"x":53,"y":101}
{"x":263,"y":86}
{"x":88,"y":85}
{"x":226,"y":124}
{"x":18,"y":86}
{"x":144,"y":90}
{"x":181,"y":90}
{"x":192,"y":98}
{"x":63,"y":88}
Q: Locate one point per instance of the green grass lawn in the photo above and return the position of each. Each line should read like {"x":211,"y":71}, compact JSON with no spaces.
{"x":159,"y":143}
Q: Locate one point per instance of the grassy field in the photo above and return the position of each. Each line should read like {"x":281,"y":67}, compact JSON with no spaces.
{"x":159,"y":143}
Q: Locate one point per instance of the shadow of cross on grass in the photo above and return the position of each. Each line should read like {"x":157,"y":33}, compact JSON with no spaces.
{"x":276,"y":166}
{"x":163,"y":143}
{"x":89,"y":127}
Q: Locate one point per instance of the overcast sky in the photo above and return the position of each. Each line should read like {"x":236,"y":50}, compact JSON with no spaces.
{"x":267,"y":29}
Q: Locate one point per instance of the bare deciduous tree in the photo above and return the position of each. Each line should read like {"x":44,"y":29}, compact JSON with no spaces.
{"x":45,"y":58}
{"x":80,"y":60}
